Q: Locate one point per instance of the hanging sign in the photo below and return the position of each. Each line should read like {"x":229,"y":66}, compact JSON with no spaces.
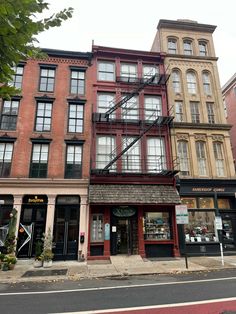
{"x":123,"y":211}
{"x":181,"y":214}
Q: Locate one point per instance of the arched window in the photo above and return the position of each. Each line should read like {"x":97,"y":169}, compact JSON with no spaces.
{"x":219,"y":159}
{"x":191,"y":82}
{"x":183,"y":158}
{"x":206,"y":83}
{"x":176,"y":81}
{"x":201,"y":158}
{"x":202,"y":46}
{"x":172,"y":45}
{"x":188,"y":49}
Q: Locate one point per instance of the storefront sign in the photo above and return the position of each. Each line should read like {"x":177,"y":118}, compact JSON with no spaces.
{"x":123,"y":211}
{"x":218,"y":223}
{"x":107,"y":231}
{"x":205,"y":189}
{"x":181,"y":214}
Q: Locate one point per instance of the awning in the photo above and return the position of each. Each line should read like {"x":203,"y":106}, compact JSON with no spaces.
{"x":133,"y":194}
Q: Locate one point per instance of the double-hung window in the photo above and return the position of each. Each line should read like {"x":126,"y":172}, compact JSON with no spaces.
{"x":9,"y":114}
{"x":129,"y":110}
{"x":106,"y":71}
{"x":152,"y":107}
{"x":156,"y":156}
{"x":105,"y":151}
{"x":77,"y":82}
{"x":105,"y":101}
{"x":202,"y":48}
{"x":188,"y":50}
{"x":172,"y":46}
{"x":183,"y":157}
{"x":219,"y":159}
{"x":6,"y":150}
{"x":17,"y":77}
{"x":210,"y":113}
{"x":43,"y":116}
{"x":128,"y":72}
{"x":176,"y":81}
{"x":39,"y":160}
{"x":206,"y":83}
{"x":201,"y":158}
{"x":191,"y":83}
{"x":75,"y":117}
{"x":179,"y":115}
{"x":195,"y":114}
{"x":73,"y":168}
{"x":131,"y":159}
{"x":47,"y":79}
{"x":149,"y":71}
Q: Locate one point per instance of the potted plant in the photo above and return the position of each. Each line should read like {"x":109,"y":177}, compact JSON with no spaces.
{"x":47,"y":249}
{"x":11,"y":262}
{"x":4,"y":265}
{"x":38,"y":260}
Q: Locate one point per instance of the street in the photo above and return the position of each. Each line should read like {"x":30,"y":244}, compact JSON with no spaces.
{"x":138,"y":294}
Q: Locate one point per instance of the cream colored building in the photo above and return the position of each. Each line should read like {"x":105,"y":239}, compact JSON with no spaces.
{"x":200,"y":133}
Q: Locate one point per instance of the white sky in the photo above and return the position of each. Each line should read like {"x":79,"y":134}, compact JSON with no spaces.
{"x":132,"y":24}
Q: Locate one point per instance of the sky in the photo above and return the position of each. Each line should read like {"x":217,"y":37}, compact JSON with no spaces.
{"x":132,"y":24}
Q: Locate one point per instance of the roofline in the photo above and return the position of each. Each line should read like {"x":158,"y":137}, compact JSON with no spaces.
{"x":67,"y":53}
{"x":186,"y":25}
{"x":229,"y":83}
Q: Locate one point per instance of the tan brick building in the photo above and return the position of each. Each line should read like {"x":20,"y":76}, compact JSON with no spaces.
{"x":200,"y":133}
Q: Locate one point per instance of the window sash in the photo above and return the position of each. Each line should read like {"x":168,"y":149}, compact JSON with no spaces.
{"x":43,"y":117}
{"x":172,"y":46}
{"x":9,"y":114}
{"x":191,"y":83}
{"x":176,"y":82}
{"x":219,"y":159}
{"x":188,"y":48}
{"x":202,"y":49}
{"x":152,"y":107}
{"x":128,"y":70}
{"x":17,"y":77}
{"x":210,"y":113}
{"x":179,"y":115}
{"x":39,"y":161}
{"x":6,"y":150}
{"x":201,"y":158}
{"x":77,"y":82}
{"x":156,"y":156}
{"x":47,"y":78}
{"x":206,"y":84}
{"x":75,"y":118}
{"x":195,"y":115}
{"x":131,"y":158}
{"x":73,"y":167}
{"x":105,"y":151}
{"x":130,"y":110}
{"x":106,"y":71}
{"x":183,"y":157}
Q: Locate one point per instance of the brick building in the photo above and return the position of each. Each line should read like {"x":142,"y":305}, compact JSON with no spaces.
{"x":132,"y":192}
{"x":44,"y":149}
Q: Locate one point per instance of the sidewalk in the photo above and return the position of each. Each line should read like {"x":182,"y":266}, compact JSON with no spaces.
{"x":118,"y":266}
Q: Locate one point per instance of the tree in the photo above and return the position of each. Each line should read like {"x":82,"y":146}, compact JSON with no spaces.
{"x":19,"y":26}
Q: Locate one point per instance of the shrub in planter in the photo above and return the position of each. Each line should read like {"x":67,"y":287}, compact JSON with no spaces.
{"x":11,"y":262}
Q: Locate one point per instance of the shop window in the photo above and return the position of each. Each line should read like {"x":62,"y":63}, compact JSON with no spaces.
{"x":97,"y":233}
{"x":189,"y":201}
{"x":223,"y":203}
{"x":201,"y":227}
{"x":206,"y":202}
{"x":157,"y":226}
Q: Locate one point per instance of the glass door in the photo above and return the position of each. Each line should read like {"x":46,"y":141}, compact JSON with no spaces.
{"x":228,"y":234}
{"x":66,"y":232}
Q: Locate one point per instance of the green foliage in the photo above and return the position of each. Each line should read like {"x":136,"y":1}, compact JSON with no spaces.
{"x":10,"y":242}
{"x":19,"y":24}
{"x":47,"y":246}
{"x":38,"y":250}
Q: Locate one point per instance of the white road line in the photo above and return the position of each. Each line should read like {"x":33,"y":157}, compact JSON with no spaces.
{"x":151,"y":307}
{"x":117,"y":287}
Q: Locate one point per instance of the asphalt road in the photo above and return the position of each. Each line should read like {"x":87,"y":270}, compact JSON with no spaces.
{"x":116,"y":293}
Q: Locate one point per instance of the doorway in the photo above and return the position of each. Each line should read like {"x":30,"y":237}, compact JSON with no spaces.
{"x":66,"y":232}
{"x":123,"y":241}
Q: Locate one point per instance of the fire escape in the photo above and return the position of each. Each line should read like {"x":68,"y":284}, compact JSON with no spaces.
{"x":153,"y":120}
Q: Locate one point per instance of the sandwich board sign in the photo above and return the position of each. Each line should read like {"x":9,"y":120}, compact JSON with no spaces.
{"x":181,"y":214}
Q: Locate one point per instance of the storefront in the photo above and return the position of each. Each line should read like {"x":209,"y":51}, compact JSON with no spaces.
{"x":6,"y":206}
{"x":205,"y":200}
{"x":132,"y":219}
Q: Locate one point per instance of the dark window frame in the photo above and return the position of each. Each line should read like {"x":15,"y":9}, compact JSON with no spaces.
{"x":45,"y":102}
{"x":78,"y":104}
{"x":77,"y":80}
{"x":5,"y":167}
{"x":10,"y":117}
{"x":16,"y":77}
{"x":47,"y":67}
{"x":73,"y":170}
{"x":39,"y":168}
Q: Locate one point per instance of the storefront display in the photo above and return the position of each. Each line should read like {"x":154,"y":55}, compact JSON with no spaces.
{"x":157,"y":226}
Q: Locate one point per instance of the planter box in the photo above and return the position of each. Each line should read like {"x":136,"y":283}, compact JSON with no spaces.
{"x":38,"y":263}
{"x":47,"y":264}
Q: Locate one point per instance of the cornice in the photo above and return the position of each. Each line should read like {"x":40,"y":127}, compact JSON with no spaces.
{"x":188,"y":125}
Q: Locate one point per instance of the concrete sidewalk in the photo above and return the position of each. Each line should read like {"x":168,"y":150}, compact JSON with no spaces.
{"x":118,"y":266}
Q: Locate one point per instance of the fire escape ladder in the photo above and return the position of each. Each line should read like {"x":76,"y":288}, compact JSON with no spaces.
{"x":155,"y":122}
{"x":150,"y":80}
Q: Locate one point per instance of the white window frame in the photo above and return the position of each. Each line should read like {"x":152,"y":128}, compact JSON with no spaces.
{"x":179,"y":114}
{"x":106,"y":71}
{"x":130,"y":109}
{"x":191,"y":82}
{"x":152,"y":107}
{"x":206,"y":83}
{"x":219,"y":159}
{"x":188,"y":48}
{"x":183,"y":158}
{"x":105,"y":151}
{"x":201,"y":158}
{"x":176,"y":83}
{"x":210,"y":113}
{"x":156,"y":155}
{"x":131,"y":159}
{"x":172,"y":45}
{"x":195,"y":113}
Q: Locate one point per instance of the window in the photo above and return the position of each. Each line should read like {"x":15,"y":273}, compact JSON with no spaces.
{"x":195,"y":115}
{"x":219,"y":159}
{"x":189,"y":201}
{"x":5,"y":159}
{"x":210,"y":112}
{"x":202,"y":48}
{"x":157,"y":226}
{"x":105,"y":151}
{"x":201,"y":227}
{"x":223,"y":203}
{"x":105,"y":102}
{"x":128,"y":72}
{"x":179,"y":115}
{"x":156,"y":157}
{"x":106,"y":71}
{"x":9,"y":114}
{"x":201,"y":158}
{"x":77,"y":82}
{"x":39,"y":161}
{"x":131,"y":159}
{"x":191,"y":83}
{"x":97,"y":233}
{"x":188,"y":50}
{"x":149,"y":71}
{"x":76,"y":118}
{"x":129,"y":109}
{"x":183,"y":158}
{"x":73,"y":169}
{"x":47,"y":78}
{"x":206,"y":83}
{"x":206,"y":202}
{"x":43,"y":117}
{"x":152,"y":107}
{"x":17,"y":77}
{"x":176,"y":81}
{"x":172,"y":46}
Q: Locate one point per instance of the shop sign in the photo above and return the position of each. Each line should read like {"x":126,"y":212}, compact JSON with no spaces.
{"x":107,"y":231}
{"x":218,"y":223}
{"x":123,"y":211}
{"x":181,"y":214}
